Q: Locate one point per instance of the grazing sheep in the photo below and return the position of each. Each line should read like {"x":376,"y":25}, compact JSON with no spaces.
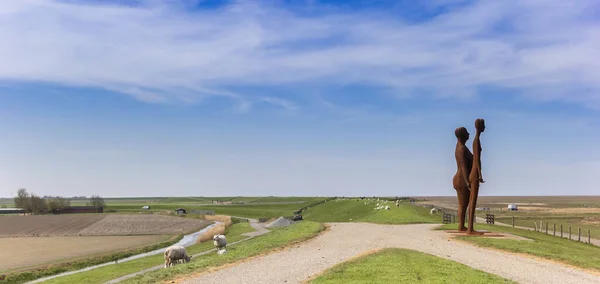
{"x":220,"y":242}
{"x":175,"y":253}
{"x":387,"y":207}
{"x":433,"y":211}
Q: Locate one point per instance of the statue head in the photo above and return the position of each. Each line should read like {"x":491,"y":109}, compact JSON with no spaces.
{"x":480,"y":124}
{"x":461,"y":134}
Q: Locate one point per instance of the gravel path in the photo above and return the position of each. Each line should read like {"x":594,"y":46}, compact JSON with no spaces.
{"x":346,"y":240}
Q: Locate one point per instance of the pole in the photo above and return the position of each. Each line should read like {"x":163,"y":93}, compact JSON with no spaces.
{"x":554,"y":229}
{"x":569,"y":232}
{"x":546,"y":228}
{"x":561,"y":234}
{"x":589,"y":240}
{"x":579,"y":233}
{"x":513,"y":221}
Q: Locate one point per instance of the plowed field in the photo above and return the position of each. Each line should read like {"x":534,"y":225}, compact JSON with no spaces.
{"x":96,"y":225}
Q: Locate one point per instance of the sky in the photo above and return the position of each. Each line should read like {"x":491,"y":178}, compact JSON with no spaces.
{"x":297,"y":98}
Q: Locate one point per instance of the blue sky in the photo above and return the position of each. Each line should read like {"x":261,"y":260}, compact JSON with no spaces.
{"x":223,"y":98}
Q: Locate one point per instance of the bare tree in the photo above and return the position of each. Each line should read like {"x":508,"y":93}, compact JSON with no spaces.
{"x":96,"y":201}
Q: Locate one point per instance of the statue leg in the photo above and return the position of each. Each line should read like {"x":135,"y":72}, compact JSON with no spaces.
{"x":472,"y":206}
{"x":463,"y":201}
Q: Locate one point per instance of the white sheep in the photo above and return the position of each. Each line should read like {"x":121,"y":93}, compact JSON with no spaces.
{"x":220,"y":242}
{"x":387,"y":207}
{"x":175,"y":253}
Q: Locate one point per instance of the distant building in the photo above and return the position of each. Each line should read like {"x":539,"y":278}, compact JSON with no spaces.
{"x":11,"y":211}
{"x":513,"y":207}
{"x":180,"y":211}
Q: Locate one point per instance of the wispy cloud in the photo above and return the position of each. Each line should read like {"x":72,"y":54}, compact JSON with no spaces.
{"x":161,"y":51}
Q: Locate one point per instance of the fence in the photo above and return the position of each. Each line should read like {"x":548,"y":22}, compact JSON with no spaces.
{"x":544,"y":230}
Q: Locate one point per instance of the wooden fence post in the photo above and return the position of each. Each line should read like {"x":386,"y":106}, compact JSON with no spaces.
{"x":513,"y":217}
{"x":535,"y":225}
{"x":561,"y":234}
{"x":546,"y":228}
{"x":589,"y":240}
{"x":569,"y":232}
{"x":554,"y":229}
{"x":579,"y":233}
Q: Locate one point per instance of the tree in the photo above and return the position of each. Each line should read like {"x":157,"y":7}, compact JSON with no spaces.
{"x":22,"y":199}
{"x":96,"y":201}
{"x":36,"y":204}
{"x":57,"y":203}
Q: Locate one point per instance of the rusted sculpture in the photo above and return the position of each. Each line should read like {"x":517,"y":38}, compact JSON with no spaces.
{"x":460,"y":182}
{"x":475,"y":177}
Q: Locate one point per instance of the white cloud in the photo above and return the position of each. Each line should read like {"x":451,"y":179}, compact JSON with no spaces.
{"x":159,"y":52}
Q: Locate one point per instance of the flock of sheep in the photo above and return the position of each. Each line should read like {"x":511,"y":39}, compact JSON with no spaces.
{"x":381,"y":204}
{"x":178,"y":254}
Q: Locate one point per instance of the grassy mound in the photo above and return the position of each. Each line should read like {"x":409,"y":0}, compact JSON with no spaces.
{"x":404,"y":266}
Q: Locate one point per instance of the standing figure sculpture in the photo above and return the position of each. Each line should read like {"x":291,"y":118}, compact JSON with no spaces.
{"x":460,"y":182}
{"x":475,"y":177}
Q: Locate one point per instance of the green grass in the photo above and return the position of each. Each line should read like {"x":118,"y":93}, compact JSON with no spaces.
{"x":40,"y":272}
{"x":542,"y":245}
{"x":574,"y":221}
{"x":356,"y":211}
{"x":275,"y":239}
{"x":103,"y":274}
{"x":404,"y":266}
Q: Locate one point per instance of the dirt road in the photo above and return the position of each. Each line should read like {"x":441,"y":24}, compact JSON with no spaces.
{"x":346,"y":240}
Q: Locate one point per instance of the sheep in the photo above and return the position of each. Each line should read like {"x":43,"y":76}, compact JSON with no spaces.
{"x":387,"y":207}
{"x":175,"y":253}
{"x":220,"y":242}
{"x":433,"y":211}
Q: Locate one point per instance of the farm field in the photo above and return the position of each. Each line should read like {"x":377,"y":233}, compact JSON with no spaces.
{"x":96,"y":224}
{"x":26,"y":252}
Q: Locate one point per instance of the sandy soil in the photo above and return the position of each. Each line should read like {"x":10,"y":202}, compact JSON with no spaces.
{"x":25,"y":252}
{"x":343,"y":241}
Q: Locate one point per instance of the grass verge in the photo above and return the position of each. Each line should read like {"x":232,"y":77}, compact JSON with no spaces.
{"x":40,"y":272}
{"x":261,"y":244}
{"x":355,"y":210}
{"x":404,"y":266}
{"x":103,"y":274}
{"x":541,"y":245}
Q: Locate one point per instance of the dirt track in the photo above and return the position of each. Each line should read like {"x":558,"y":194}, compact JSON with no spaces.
{"x":346,"y":240}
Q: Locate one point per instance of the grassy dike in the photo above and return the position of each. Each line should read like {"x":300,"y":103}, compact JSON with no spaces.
{"x":404,"y":266}
{"x":110,"y":272}
{"x":256,"y":246}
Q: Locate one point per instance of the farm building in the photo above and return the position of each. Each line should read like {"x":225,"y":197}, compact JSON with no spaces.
{"x":11,"y":211}
{"x":180,"y":211}
{"x":513,"y":207}
{"x":79,"y":209}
